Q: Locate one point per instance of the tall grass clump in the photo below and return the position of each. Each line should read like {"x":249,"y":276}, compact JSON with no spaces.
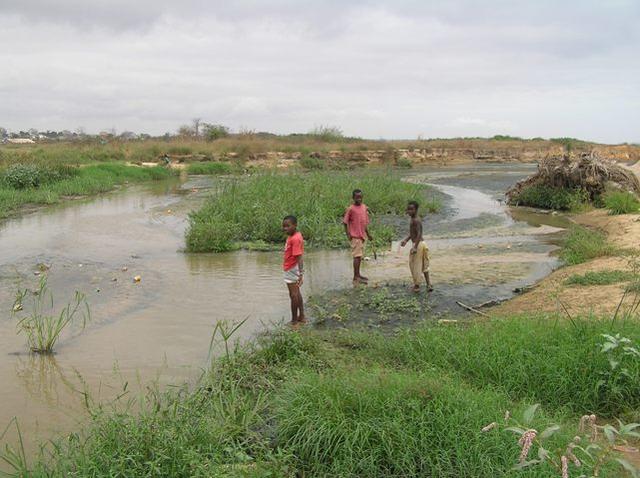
{"x":43,"y":326}
{"x":621,"y":202}
{"x":545,"y":197}
{"x":390,"y":423}
{"x":582,"y":244}
{"x":252,"y":209}
{"x":210,"y":168}
{"x":559,"y":363}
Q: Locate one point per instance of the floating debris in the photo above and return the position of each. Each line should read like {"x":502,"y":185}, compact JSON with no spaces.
{"x":137,"y":279}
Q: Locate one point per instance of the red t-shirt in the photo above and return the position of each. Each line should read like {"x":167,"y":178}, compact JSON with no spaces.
{"x":357,"y":218}
{"x":293,"y":249}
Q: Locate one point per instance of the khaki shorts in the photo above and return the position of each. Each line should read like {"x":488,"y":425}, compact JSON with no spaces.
{"x":357,"y":247}
{"x":292,"y":275}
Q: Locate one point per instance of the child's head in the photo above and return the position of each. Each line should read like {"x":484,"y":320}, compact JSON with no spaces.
{"x":357,"y":196}
{"x":412,"y":208}
{"x":289,"y":225}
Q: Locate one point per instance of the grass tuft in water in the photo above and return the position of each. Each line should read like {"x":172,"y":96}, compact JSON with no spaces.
{"x":42,"y":326}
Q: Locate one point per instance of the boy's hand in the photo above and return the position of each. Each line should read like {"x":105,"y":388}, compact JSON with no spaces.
{"x":369,"y":236}
{"x":414,"y":250}
{"x":403,"y":243}
{"x":300,"y":280}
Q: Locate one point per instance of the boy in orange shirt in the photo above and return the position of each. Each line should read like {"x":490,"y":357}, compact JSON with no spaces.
{"x":356,"y":222}
{"x":293,"y":267}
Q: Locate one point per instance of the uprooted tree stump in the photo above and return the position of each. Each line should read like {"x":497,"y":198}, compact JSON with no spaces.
{"x":587,"y":172}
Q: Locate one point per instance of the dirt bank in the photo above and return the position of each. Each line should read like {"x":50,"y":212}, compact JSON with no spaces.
{"x":552,"y":294}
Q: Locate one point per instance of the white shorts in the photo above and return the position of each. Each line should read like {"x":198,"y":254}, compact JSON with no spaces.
{"x":292,"y":275}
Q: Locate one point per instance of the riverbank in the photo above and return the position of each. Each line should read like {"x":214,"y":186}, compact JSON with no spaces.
{"x":24,"y":185}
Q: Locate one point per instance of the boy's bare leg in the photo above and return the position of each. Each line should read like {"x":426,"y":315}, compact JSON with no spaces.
{"x":429,"y":285}
{"x":294,"y":292}
{"x":357,"y":262}
{"x":301,"y":317}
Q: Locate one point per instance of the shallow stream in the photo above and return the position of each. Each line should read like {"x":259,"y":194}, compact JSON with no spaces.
{"x":160,"y":328}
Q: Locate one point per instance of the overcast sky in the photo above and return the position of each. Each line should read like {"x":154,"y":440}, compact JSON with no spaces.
{"x":392,"y":69}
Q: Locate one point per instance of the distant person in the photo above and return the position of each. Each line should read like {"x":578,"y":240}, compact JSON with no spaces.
{"x":356,"y":226}
{"x":419,"y":253}
{"x":293,"y":267}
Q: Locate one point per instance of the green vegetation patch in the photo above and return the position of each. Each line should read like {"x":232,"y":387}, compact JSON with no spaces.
{"x":389,"y":423}
{"x":249,"y":210}
{"x":605,"y":277}
{"x":621,"y":202}
{"x":43,"y":185}
{"x":557,"y":363}
{"x":308,"y":403}
{"x":581,"y":244}
{"x":546,"y":197}
{"x":211,"y":168}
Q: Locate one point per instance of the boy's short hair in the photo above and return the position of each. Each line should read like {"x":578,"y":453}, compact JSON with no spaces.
{"x":292,"y":219}
{"x":414,"y":204}
{"x":356,"y":191}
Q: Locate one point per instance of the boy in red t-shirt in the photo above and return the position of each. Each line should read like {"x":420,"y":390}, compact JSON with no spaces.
{"x":356,"y":226}
{"x":293,"y":267}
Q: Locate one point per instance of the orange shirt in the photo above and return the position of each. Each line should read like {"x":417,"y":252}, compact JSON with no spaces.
{"x":357,"y":218}
{"x":293,"y":249}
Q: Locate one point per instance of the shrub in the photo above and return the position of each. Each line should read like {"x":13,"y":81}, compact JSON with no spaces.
{"x":404,"y":163}
{"x":308,"y":162}
{"x":546,"y":197}
{"x":22,"y":176}
{"x":215,"y":131}
{"x":621,"y":202}
{"x":581,"y":244}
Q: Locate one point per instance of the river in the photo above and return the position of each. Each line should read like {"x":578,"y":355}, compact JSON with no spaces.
{"x":159,"y":329}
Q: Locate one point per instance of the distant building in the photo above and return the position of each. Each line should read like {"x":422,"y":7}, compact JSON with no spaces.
{"x":20,"y":141}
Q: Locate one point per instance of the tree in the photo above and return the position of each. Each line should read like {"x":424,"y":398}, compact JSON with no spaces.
{"x":3,"y":132}
{"x":196,"y":126}
{"x":214,"y":131}
{"x":327,"y":133}
{"x":185,"y":131}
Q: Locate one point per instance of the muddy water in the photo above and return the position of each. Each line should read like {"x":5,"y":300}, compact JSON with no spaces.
{"x":159,"y":329}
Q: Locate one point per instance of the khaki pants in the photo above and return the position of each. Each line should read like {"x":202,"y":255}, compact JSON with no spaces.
{"x":419,"y":263}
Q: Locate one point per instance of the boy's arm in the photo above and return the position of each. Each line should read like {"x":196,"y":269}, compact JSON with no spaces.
{"x":346,"y":231}
{"x":345,"y":221}
{"x":301,"y":269}
{"x":366,"y":229}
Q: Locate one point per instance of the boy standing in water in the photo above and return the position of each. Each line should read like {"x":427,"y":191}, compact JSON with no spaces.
{"x":356,"y":222}
{"x":293,"y":267}
{"x":419,"y":254}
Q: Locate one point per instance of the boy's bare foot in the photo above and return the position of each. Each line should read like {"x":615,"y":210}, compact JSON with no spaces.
{"x":429,"y":288}
{"x":416,"y":288}
{"x":363,"y":279}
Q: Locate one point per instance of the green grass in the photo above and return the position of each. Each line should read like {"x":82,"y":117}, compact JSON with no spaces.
{"x":621,"y":202}
{"x":581,"y":244}
{"x":348,"y":404}
{"x":210,"y":168}
{"x":604,"y":277}
{"x":545,"y":197}
{"x":249,"y":210}
{"x":85,"y":181}
{"x":556,"y":363}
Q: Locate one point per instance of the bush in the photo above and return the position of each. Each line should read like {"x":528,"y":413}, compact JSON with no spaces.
{"x":404,"y":163}
{"x":312,"y":163}
{"x":32,"y":175}
{"x":581,"y":244}
{"x":546,"y":197}
{"x":215,"y":131}
{"x":621,"y":202}
{"x":210,"y":168}
{"x":255,"y":208}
